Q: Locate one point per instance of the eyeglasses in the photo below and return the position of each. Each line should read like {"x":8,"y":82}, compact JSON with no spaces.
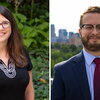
{"x":5,"y":24}
{"x":90,"y":27}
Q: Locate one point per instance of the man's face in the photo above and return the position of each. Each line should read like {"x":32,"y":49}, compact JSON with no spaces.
{"x":90,"y":31}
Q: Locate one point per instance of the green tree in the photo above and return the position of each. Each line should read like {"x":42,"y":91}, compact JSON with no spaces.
{"x":61,"y":52}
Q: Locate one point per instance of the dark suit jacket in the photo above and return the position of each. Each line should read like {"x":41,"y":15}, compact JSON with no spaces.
{"x":70,"y":80}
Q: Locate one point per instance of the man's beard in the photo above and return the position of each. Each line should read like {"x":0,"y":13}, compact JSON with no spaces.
{"x":94,"y":46}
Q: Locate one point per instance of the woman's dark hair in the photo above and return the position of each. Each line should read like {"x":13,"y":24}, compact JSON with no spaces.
{"x":15,"y":44}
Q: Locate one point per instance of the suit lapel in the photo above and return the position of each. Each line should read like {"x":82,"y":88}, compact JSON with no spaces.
{"x":80,"y":72}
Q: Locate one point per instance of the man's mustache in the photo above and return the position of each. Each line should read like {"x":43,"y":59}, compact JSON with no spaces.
{"x":94,"y":37}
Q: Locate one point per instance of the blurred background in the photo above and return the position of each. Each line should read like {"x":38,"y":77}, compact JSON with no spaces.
{"x":32,"y":17}
{"x":64,"y":25}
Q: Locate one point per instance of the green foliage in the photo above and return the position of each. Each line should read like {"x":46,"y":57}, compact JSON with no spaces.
{"x":36,"y":10}
{"x":61,"y":52}
{"x":41,"y":75}
{"x":35,"y":32}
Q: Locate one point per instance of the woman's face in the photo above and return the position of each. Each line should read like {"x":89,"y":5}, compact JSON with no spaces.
{"x":5,"y":29}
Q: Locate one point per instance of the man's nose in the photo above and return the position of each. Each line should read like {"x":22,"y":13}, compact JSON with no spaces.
{"x":94,"y":31}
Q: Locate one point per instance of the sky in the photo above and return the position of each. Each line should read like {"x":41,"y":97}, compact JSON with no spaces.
{"x":65,"y":14}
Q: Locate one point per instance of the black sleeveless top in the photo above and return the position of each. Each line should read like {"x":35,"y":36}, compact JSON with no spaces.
{"x":14,"y":88}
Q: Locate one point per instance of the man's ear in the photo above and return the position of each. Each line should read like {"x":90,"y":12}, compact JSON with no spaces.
{"x":79,"y":31}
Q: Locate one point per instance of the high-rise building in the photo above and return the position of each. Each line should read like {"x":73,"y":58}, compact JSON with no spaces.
{"x":63,"y":33}
{"x":53,"y":35}
{"x":53,"y":31}
{"x":71,"y":34}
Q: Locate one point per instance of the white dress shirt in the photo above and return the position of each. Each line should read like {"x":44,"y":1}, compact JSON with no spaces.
{"x":90,"y":67}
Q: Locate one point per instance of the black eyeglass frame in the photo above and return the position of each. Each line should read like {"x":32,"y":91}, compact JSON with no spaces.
{"x":5,"y":22}
{"x":96,"y":25}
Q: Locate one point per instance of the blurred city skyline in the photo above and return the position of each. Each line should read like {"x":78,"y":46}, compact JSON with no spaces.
{"x":64,"y":36}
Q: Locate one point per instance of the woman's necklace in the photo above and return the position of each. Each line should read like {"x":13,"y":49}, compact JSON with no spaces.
{"x":8,"y":70}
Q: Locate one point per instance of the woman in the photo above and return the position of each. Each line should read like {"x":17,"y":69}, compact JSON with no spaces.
{"x":15,"y":65}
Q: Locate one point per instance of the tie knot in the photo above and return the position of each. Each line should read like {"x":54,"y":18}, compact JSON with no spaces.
{"x":97,"y":60}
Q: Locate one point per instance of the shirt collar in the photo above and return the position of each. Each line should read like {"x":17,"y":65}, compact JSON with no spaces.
{"x":88,"y":57}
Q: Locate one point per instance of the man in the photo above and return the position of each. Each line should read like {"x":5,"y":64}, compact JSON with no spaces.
{"x":74,"y":79}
